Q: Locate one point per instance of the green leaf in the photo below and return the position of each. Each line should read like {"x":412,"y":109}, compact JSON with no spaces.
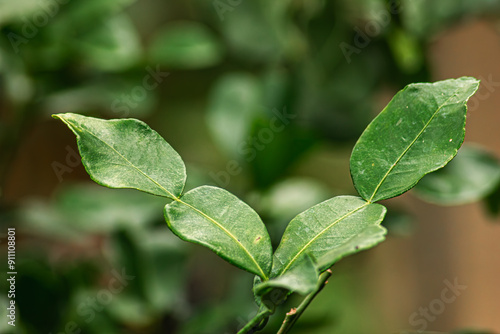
{"x":407,"y":50}
{"x":127,"y":154}
{"x":290,"y":197}
{"x":302,"y":279}
{"x":93,"y":209}
{"x":492,"y":202}
{"x":418,"y":132}
{"x":113,"y":45}
{"x":20,"y":9}
{"x":367,"y":238}
{"x":186,"y":45}
{"x":232,"y":92}
{"x":217,"y":219}
{"x":425,"y":18}
{"x":251,"y":35}
{"x":472,"y":175}
{"x":326,"y":227}
{"x":155,"y":283}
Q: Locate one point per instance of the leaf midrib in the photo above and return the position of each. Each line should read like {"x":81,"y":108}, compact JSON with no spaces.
{"x":302,"y":250}
{"x":177,"y":199}
{"x":409,"y":146}
{"x":169,"y":194}
{"x":264,"y":276}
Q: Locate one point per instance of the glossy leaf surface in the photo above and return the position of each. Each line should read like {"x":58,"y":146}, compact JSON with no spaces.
{"x":324,"y":228}
{"x":367,"y":238}
{"x":301,"y":279}
{"x":472,"y":175}
{"x":127,"y":153}
{"x":217,"y":219}
{"x":418,"y":132}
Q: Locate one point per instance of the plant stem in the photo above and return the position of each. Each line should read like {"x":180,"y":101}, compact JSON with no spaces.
{"x":255,"y":322}
{"x":292,"y":316}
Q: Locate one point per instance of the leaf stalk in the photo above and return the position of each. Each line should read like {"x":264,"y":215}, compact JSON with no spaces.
{"x":292,"y":316}
{"x":255,"y":324}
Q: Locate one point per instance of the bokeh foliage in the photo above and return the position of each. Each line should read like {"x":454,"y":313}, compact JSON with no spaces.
{"x":257,"y":96}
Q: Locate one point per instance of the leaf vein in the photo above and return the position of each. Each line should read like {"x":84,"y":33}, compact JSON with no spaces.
{"x":410,"y":145}
{"x":134,"y":166}
{"x":302,"y":250}
{"x":264,"y":276}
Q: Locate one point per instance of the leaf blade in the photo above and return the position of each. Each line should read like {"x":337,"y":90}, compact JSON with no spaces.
{"x":220,"y":221}
{"x":423,"y":126}
{"x":323,"y":228}
{"x":110,"y":154}
{"x":301,"y":279}
{"x":368,"y":238}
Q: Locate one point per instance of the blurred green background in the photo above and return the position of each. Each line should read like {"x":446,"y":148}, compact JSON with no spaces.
{"x":263,"y":98}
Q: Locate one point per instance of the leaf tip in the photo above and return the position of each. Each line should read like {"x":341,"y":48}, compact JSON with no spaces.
{"x":472,"y":81}
{"x":63,"y":116}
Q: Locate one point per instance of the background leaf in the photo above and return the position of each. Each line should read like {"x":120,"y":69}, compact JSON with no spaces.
{"x":324,"y":228}
{"x":217,"y":219}
{"x":185,"y":45}
{"x":127,"y":154}
{"x":472,"y":175}
{"x":113,"y":46}
{"x":492,"y":202}
{"x":418,"y":132}
{"x":424,"y":17}
{"x":292,"y":52}
{"x":79,"y":209}
{"x":234,"y":104}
